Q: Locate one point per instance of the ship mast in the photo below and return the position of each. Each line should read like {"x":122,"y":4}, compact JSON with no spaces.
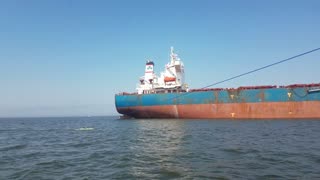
{"x":172,"y":55}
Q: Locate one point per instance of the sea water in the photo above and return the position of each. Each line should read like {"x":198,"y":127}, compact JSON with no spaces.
{"x":108,"y":148}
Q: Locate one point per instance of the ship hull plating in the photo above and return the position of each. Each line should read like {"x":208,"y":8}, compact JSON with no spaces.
{"x":273,"y":103}
{"x":276,"y":110}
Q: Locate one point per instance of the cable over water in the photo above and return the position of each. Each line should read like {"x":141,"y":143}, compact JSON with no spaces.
{"x":252,"y":71}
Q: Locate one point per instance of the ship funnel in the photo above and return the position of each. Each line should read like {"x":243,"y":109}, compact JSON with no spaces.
{"x":148,"y":75}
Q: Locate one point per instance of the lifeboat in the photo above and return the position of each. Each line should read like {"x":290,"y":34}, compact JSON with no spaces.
{"x":169,"y":79}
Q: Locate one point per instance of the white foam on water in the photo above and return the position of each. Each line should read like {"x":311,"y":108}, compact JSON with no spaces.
{"x":85,"y":129}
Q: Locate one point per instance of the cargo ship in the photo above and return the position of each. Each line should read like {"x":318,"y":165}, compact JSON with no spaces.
{"x":168,"y":96}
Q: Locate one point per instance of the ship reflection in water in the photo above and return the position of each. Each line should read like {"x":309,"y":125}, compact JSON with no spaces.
{"x":157,"y":145}
{"x":227,"y":149}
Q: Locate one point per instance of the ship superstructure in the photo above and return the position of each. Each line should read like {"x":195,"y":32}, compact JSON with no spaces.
{"x":171,"y":80}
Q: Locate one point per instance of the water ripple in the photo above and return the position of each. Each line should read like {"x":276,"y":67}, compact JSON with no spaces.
{"x":105,"y":148}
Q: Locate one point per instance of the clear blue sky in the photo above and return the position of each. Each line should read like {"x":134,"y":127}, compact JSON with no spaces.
{"x":69,"y":57}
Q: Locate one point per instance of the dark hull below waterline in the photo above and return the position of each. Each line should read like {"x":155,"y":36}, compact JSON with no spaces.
{"x":274,"y":110}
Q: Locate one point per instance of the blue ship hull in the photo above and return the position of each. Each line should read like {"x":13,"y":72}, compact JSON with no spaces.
{"x":244,"y":103}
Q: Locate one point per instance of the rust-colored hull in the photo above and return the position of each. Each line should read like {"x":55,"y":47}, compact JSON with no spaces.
{"x":261,"y":110}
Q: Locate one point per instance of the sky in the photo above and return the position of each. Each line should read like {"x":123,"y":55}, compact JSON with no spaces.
{"x":70,"y":57}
